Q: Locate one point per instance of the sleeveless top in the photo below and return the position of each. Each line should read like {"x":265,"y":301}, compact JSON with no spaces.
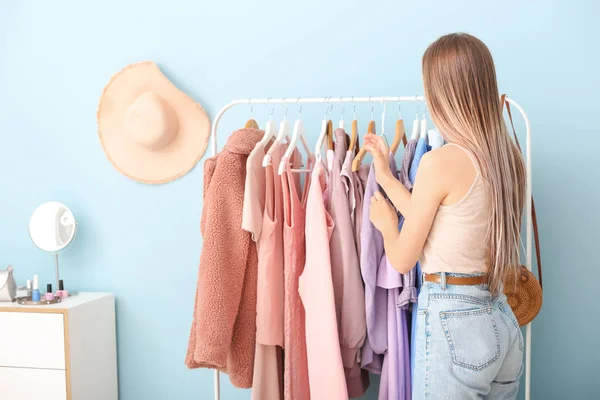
{"x":457,"y":240}
{"x":295,"y":378}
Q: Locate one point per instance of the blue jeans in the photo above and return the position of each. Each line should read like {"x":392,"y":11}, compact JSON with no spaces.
{"x":468,"y":344}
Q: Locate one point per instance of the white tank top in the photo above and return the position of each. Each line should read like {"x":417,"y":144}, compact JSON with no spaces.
{"x":457,"y":240}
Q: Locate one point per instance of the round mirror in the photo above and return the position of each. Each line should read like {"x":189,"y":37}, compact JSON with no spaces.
{"x":52,"y":226}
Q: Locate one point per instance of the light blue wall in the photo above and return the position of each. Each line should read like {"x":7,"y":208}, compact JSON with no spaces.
{"x":142,"y":242}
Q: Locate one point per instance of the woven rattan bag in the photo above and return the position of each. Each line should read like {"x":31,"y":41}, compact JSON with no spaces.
{"x":523,"y":290}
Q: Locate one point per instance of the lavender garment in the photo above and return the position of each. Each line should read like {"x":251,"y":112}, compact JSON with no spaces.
{"x":387,"y":276}
{"x":375,"y":297}
{"x":420,"y":150}
{"x":395,"y":376}
{"x":409,"y":154}
{"x":360,"y":180}
{"x":408,"y":294}
{"x":395,"y":383}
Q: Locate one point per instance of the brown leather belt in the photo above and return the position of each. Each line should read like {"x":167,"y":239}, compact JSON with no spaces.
{"x":456,"y":280}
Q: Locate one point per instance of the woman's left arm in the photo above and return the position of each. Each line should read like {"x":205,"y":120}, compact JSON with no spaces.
{"x":404,"y":248}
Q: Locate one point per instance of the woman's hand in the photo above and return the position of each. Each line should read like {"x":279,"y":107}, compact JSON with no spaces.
{"x":383,"y":215}
{"x":379,"y":150}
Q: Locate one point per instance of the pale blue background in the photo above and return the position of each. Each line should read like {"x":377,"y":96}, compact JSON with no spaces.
{"x":142,"y":242}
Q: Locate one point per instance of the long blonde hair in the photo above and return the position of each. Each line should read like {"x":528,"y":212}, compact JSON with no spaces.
{"x":462,"y":96}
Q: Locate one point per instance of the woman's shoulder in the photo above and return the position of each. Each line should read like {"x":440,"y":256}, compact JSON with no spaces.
{"x":440,"y":159}
{"x":451,"y":169}
{"x":451,"y":159}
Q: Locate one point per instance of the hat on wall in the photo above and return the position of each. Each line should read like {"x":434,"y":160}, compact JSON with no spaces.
{"x":150,"y":131}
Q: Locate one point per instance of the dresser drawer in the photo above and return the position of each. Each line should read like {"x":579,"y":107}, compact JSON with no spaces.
{"x":32,"y":384}
{"x":32,"y":340}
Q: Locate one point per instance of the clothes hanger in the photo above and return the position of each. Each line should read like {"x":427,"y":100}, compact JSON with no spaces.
{"x":434,"y":139}
{"x":415,"y":128}
{"x":423,"y":133}
{"x":354,"y":135}
{"x":251,"y":123}
{"x":341,"y":124}
{"x":363,"y":151}
{"x":284,"y":130}
{"x":322,"y":136}
{"x":330,"y":129}
{"x":270,"y":128}
{"x":400,"y":135}
{"x":297,"y":134}
{"x":372,"y":128}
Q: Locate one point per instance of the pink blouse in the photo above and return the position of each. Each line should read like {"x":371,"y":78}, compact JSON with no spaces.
{"x":325,"y":368}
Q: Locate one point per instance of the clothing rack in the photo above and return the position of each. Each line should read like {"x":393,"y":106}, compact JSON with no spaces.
{"x":398,"y":99}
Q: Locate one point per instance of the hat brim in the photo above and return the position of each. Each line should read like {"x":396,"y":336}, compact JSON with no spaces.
{"x":134,"y":161}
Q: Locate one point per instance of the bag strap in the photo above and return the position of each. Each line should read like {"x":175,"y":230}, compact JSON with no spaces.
{"x":536,"y":236}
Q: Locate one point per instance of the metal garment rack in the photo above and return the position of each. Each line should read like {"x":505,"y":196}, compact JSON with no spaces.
{"x":398,"y":99}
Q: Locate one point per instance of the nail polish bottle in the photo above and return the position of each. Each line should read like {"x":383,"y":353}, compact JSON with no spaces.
{"x":49,"y":294}
{"x":28,"y":287}
{"x":35,"y":293}
{"x":61,"y":292}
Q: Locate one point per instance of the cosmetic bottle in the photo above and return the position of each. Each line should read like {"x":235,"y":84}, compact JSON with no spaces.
{"x":35,"y":293}
{"x":28,"y":287}
{"x":49,"y":294}
{"x":61,"y":292}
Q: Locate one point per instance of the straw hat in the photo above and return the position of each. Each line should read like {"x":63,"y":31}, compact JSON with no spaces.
{"x":150,"y":130}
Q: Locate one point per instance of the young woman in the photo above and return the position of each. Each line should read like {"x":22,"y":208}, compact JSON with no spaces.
{"x":463,"y":222}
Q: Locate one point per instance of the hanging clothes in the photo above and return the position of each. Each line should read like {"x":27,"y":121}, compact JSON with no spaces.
{"x":296,"y":381}
{"x":395,"y":383}
{"x":268,"y":367}
{"x":223,"y":329}
{"x":375,"y":344}
{"x":269,"y":312}
{"x":347,"y":283}
{"x":395,"y":378}
{"x":434,"y":139}
{"x":360,"y":180}
{"x":408,"y":293}
{"x":357,"y":379}
{"x":325,"y":368}
{"x":420,"y":150}
{"x":254,"y":192}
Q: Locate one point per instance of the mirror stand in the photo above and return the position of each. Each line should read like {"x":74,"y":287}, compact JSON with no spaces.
{"x":56,"y":269}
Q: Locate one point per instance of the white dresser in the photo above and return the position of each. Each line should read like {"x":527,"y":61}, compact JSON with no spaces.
{"x":64,"y":351}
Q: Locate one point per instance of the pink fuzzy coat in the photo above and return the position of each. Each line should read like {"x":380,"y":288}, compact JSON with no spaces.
{"x":223,"y":332}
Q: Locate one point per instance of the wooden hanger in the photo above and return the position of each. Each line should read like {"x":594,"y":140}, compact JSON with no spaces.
{"x":330,"y":135}
{"x":251,"y":124}
{"x":354,"y":135}
{"x":363,"y":151}
{"x":399,"y":137}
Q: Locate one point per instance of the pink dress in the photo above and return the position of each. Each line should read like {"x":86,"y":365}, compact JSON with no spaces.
{"x":296,"y":384}
{"x":325,"y":368}
{"x":268,"y":371}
